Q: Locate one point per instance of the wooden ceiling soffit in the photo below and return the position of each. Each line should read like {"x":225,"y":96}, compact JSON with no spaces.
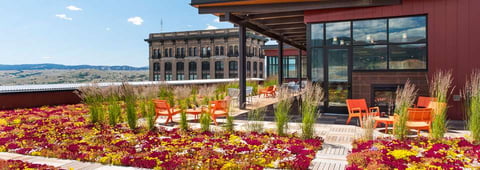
{"x":260,"y":28}
{"x":297,"y":6}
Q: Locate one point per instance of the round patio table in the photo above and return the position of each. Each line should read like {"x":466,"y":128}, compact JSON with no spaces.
{"x":385,"y":120}
{"x":195,"y":112}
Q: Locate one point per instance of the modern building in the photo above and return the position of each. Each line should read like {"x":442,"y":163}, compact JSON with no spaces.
{"x":366,"y":48}
{"x":203,"y":54}
{"x":291,"y":62}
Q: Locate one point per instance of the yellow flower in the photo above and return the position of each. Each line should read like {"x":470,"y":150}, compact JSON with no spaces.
{"x":400,"y":154}
{"x":17,"y":121}
{"x":3,"y":122}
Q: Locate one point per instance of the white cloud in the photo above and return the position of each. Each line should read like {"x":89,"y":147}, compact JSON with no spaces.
{"x":211,"y":27}
{"x":189,"y":26}
{"x":47,"y":57}
{"x":217,"y":20}
{"x":63,"y":16}
{"x":74,"y":8}
{"x":107,"y":29}
{"x":135,"y":20}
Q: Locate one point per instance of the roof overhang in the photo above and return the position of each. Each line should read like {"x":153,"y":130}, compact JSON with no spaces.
{"x":282,"y":20}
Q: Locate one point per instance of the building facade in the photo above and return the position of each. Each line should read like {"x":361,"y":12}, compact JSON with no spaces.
{"x":203,"y":54}
{"x":366,"y":49}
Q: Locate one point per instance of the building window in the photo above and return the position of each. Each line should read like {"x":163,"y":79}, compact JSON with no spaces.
{"x":235,"y":53}
{"x":156,"y":66}
{"x":180,"y":76}
{"x":217,"y":50}
{"x":222,"y":50}
{"x":180,"y":67}
{"x":195,"y":51}
{"x":290,"y":66}
{"x":189,"y":51}
{"x":156,"y":77}
{"x":166,"y":52}
{"x":233,"y":69}
{"x":230,"y":51}
{"x":182,"y":52}
{"x":219,"y":69}
{"x":170,"y":52}
{"x":168,"y":71}
{"x":192,"y":70}
{"x":398,"y":43}
{"x":248,"y":66}
{"x":272,"y":65}
{"x":254,"y":69}
{"x":260,"y":65}
{"x":205,"y":70}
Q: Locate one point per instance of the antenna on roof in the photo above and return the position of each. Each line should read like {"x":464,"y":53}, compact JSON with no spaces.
{"x":161,"y":24}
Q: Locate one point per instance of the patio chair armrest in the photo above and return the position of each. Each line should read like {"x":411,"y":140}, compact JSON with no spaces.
{"x":356,"y":110}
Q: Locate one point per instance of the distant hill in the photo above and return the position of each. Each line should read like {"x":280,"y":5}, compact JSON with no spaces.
{"x":67,"y":67}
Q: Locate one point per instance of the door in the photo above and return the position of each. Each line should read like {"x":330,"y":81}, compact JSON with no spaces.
{"x":338,"y":81}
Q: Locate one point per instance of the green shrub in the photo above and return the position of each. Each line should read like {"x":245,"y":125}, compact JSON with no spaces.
{"x":471,"y":95}
{"x":255,"y":118}
{"x":281,"y":116}
{"x":439,"y":88}
{"x":93,"y":97}
{"x":150,"y":116}
{"x":114,"y":111}
{"x":405,"y":98}
{"x":205,"y":122}
{"x":131,"y":105}
{"x":311,"y":98}
{"x":229,"y":126}
{"x":270,"y":81}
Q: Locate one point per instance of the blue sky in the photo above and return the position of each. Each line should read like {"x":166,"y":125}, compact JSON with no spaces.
{"x":95,"y":32}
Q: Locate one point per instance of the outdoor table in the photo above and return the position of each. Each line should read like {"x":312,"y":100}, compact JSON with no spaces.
{"x":385,"y":120}
{"x":195,"y":112}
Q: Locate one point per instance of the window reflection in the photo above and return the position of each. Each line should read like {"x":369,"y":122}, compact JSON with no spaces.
{"x":409,"y":56}
{"x":408,"y":29}
{"x":370,"y":31}
{"x":372,"y":57}
{"x":317,"y":34}
{"x":338,"y":33}
{"x":317,"y":64}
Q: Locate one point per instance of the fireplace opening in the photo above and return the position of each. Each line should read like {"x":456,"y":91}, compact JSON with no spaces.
{"x":383,"y":96}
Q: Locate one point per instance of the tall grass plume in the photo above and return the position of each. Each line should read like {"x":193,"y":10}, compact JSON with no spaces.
{"x":405,"y":98}
{"x":441,"y":89}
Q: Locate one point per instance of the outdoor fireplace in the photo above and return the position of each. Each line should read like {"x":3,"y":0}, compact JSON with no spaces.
{"x":383,"y":96}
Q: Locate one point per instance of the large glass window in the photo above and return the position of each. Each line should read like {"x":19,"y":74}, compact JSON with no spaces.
{"x":156,"y":66}
{"x":338,"y":33}
{"x":370,"y":57}
{"x":408,"y":56}
{"x":180,"y":66}
{"x":290,"y":67}
{"x":408,"y":29}
{"x":317,"y":35}
{"x":370,"y":32}
{"x":272,"y":65}
{"x":317,"y":64}
{"x":398,"y":43}
{"x":219,"y":69}
{"x":233,"y":69}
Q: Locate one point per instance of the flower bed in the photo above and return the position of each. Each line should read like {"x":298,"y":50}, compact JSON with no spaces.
{"x":422,"y":153}
{"x":64,"y":132}
{"x":17,"y":164}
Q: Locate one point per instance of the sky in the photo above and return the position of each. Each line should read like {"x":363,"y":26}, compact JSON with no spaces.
{"x":94,"y":32}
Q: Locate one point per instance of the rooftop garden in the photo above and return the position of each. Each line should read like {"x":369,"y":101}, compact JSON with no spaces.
{"x":117,"y":126}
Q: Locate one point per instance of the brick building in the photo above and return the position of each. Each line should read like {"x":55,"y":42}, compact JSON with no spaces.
{"x":203,"y":54}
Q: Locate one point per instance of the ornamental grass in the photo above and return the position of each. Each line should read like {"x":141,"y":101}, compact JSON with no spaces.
{"x":441,"y":89}
{"x":281,"y":111}
{"x":311,"y":98}
{"x":471,"y":94}
{"x":65,"y":132}
{"x":404,"y":100}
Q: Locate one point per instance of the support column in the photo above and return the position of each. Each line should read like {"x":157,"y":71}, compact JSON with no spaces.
{"x":280,"y":63}
{"x":242,"y":66}
{"x":299,"y":68}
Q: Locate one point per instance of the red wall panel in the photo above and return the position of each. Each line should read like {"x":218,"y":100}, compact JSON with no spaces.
{"x":453,"y":34}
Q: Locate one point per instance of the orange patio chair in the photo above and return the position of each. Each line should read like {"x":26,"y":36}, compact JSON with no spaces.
{"x":358,"y":108}
{"x":424,"y":102}
{"x":265,"y":91}
{"x":219,"y":109}
{"x":419,"y":119}
{"x":162,"y":108}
